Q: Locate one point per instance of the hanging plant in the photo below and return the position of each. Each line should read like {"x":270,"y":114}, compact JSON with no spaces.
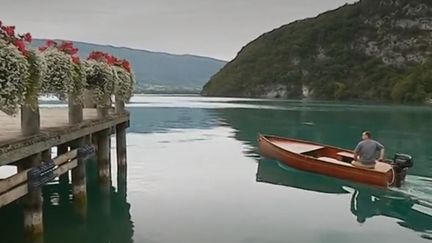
{"x":37,"y":71}
{"x":14,"y":69}
{"x":124,"y":79}
{"x":64,"y":76}
{"x":14,"y":73}
{"x":101,"y":79}
{"x":125,"y":84}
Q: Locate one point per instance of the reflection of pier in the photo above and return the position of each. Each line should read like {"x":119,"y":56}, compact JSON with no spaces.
{"x":366,"y":202}
{"x":25,"y":146}
{"x":108,"y":217}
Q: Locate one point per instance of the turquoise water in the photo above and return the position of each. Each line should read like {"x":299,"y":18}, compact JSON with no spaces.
{"x":195,"y":175}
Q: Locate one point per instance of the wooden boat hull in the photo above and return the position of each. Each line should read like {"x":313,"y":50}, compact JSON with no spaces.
{"x":274,"y":147}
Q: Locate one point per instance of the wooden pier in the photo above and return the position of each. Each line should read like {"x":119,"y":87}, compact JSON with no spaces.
{"x":26,"y":142}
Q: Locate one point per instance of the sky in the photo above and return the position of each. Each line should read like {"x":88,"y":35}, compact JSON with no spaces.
{"x":214,"y":28}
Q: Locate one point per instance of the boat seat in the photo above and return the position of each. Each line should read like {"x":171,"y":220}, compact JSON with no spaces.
{"x":346,"y":154}
{"x":379,"y":166}
{"x":328,"y":159}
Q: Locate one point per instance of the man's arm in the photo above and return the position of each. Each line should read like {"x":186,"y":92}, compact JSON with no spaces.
{"x":382,"y":151}
{"x":356,"y":152}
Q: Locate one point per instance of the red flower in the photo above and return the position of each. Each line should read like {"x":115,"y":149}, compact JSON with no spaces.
{"x":50,"y":43}
{"x":21,"y":46}
{"x":28,"y":38}
{"x":76,"y":59}
{"x":126,"y":66}
{"x":10,"y":30}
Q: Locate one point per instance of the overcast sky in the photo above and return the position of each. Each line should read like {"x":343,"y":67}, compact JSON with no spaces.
{"x":215,"y":28}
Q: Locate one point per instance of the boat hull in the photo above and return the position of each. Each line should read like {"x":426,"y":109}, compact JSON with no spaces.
{"x":346,"y":171}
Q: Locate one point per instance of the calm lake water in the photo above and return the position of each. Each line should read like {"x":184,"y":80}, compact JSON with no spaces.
{"x":195,"y":175}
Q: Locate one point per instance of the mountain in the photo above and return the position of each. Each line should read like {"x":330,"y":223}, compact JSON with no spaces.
{"x":159,"y":72}
{"x":369,"y":50}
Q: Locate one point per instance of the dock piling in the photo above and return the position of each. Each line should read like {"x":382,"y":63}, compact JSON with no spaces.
{"x":121,"y":154}
{"x":103,"y":154}
{"x":32,"y":202}
{"x":79,"y":186}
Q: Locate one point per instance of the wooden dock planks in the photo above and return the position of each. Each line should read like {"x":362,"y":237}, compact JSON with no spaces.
{"x":55,"y":130}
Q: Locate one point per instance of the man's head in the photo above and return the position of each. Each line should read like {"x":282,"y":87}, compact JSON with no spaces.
{"x":366,"y":135}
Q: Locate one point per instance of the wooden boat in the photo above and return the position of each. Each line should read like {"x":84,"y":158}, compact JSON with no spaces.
{"x":330,"y":161}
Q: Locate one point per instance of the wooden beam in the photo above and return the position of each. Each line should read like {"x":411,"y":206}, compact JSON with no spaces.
{"x":22,"y":190}
{"x":41,"y":142}
{"x":21,"y":177}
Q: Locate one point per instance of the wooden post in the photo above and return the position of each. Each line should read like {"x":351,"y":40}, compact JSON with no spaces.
{"x":30,"y":120}
{"x":79,"y":185}
{"x":32,"y":202}
{"x":103,"y":150}
{"x":75,"y":111}
{"x":119,"y":106}
{"x":32,"y":205}
{"x":104,"y":174}
{"x":62,"y":149}
{"x":121,"y":156}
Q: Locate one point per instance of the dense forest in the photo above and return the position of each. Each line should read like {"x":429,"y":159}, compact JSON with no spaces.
{"x":369,"y":50}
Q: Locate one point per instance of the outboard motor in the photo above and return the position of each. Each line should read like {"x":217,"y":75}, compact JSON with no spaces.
{"x":401,"y":163}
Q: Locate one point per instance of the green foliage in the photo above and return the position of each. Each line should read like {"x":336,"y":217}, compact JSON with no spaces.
{"x":415,"y":87}
{"x":323,"y":54}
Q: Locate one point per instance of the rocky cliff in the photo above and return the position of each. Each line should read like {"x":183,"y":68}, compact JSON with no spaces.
{"x":372,"y":49}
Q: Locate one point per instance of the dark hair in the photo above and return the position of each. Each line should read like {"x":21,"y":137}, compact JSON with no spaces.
{"x":367,"y":133}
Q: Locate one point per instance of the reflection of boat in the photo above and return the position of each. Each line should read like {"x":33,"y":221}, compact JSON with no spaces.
{"x":366,"y":202}
{"x":331,"y":161}
{"x":274,"y":173}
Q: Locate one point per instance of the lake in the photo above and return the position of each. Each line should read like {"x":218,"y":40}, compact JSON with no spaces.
{"x":195,"y":175}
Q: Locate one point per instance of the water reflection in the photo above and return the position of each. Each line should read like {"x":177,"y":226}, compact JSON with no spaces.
{"x":366,"y":202}
{"x":64,"y":224}
{"x":270,"y":171}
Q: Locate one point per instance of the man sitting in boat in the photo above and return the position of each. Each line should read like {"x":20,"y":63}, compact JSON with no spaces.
{"x":365,"y":154}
